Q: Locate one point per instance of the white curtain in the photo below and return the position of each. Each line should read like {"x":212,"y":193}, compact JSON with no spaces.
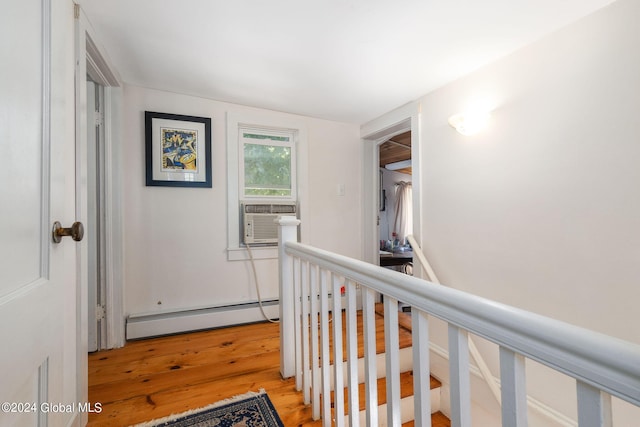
{"x":403,"y":223}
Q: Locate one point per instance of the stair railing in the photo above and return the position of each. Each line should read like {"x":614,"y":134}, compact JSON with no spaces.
{"x":602,"y":366}
{"x":473,"y":350}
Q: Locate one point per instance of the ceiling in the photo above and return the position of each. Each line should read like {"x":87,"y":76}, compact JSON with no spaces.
{"x":343,"y":60}
{"x":396,"y":149}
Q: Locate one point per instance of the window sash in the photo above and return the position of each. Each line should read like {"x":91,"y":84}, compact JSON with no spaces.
{"x":267,"y":138}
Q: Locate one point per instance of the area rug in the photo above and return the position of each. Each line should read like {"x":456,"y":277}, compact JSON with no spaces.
{"x":246,"y":410}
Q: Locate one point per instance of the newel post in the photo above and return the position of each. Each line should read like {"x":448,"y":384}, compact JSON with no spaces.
{"x":287,"y":232}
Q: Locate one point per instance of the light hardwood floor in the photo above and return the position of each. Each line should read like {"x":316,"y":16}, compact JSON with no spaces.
{"x":156,"y":377}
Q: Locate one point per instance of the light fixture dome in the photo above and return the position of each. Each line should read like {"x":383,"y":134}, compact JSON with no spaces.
{"x":398,"y":165}
{"x":469,"y":123}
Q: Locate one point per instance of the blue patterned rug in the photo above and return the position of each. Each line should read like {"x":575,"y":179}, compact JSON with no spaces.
{"x":247,"y":410}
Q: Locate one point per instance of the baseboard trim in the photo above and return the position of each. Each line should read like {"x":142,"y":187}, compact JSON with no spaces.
{"x":157,"y":324}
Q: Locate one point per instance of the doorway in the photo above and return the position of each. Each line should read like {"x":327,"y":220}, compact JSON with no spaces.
{"x":99,"y":193}
{"x":402,"y":121}
{"x":395,"y":176}
{"x":92,"y":64}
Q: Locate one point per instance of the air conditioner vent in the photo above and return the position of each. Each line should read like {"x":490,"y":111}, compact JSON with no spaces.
{"x":290,"y":209}
{"x":267,"y":209}
{"x":259,"y":222}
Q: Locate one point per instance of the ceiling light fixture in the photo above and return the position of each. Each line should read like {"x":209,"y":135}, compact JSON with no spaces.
{"x":398,"y":165}
{"x":470,"y":123}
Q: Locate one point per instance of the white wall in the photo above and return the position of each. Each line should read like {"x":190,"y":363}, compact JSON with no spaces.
{"x":542,"y":210}
{"x":175,"y":241}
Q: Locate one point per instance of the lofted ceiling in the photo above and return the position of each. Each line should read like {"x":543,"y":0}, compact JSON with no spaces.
{"x":343,"y":60}
{"x":396,"y":149}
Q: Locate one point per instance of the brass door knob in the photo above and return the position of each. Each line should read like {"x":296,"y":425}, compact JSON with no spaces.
{"x":76,"y":231}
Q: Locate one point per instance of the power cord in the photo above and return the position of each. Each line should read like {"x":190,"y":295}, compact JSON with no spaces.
{"x":255,"y":275}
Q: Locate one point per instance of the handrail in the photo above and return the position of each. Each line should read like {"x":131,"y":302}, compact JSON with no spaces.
{"x":482,"y":365}
{"x":606,"y":363}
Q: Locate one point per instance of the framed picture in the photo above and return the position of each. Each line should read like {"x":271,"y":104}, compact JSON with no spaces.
{"x":178,"y":150}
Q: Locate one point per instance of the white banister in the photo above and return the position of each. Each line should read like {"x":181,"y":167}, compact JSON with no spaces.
{"x":324,"y":349}
{"x":297,"y":318}
{"x":603,"y":366}
{"x":594,"y":406}
{"x":316,"y":384}
{"x":514,"y":390}
{"x":338,"y":379}
{"x":421,"y":368}
{"x":287,"y":232}
{"x":352,"y":353}
{"x":370,"y":376}
{"x":306,"y":357}
{"x":392,"y":362}
{"x":459,"y":377}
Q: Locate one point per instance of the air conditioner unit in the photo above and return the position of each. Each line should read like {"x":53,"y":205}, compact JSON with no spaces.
{"x":259,"y":226}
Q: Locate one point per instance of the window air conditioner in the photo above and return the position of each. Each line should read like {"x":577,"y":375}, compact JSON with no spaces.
{"x":259,"y":225}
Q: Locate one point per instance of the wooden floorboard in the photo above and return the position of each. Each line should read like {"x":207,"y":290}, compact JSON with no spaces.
{"x":153,"y":378}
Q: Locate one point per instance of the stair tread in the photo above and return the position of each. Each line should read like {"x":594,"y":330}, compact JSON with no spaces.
{"x":406,"y":389}
{"x":438,"y":419}
{"x":404,"y":334}
{"x":404,"y":319}
{"x":406,"y":378}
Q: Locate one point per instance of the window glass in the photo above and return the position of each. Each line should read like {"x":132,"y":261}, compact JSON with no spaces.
{"x":267,"y":165}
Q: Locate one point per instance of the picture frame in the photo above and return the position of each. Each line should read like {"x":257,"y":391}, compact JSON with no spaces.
{"x":177,"y":150}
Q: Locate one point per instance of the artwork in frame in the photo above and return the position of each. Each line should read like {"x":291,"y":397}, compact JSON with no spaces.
{"x":178,"y":150}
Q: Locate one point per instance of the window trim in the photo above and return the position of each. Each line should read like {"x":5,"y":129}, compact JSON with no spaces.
{"x":267,"y":120}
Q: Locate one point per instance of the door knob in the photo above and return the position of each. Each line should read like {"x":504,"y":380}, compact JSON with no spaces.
{"x":76,"y":231}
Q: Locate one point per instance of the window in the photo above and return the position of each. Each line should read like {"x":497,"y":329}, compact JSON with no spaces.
{"x":267,"y":164}
{"x":286,"y":136}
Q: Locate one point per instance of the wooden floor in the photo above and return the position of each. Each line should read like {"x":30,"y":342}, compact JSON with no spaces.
{"x":154,"y":378}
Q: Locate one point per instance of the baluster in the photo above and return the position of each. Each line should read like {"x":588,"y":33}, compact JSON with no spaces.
{"x":324,"y":346}
{"x":297,"y":317}
{"x":338,"y":380}
{"x":392,"y":360}
{"x":514,"y":389}
{"x":370,"y":377}
{"x":421,"y":368}
{"x":304,"y":296}
{"x":459,"y":373}
{"x":594,"y":406}
{"x":315,"y":356}
{"x":352,"y":353}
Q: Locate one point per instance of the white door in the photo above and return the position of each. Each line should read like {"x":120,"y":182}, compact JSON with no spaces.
{"x":38,"y":302}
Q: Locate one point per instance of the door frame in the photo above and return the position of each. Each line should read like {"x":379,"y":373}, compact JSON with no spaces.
{"x":95,"y":230}
{"x":373,"y":134}
{"x":92,"y":60}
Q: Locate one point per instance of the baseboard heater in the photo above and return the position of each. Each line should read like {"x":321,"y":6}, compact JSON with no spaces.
{"x":152,"y":325}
